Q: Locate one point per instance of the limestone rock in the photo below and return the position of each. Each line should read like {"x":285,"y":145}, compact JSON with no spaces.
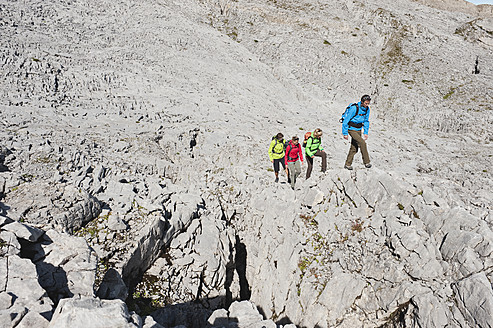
{"x":91,"y":312}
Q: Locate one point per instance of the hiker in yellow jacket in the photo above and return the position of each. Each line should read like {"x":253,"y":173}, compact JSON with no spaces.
{"x":277,"y":150}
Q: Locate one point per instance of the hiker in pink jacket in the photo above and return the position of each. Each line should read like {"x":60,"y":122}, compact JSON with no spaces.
{"x":292,"y":160}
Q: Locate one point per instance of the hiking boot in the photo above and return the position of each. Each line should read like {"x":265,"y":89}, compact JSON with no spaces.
{"x":348,"y":167}
{"x":277,"y":180}
{"x":368,"y":165}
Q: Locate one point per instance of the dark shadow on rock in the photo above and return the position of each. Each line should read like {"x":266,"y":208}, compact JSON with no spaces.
{"x":112,"y":286}
{"x":192,"y":314}
{"x":51,"y":278}
{"x":241,"y":266}
{"x":3,"y":208}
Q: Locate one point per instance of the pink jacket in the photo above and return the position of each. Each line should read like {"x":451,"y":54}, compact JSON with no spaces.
{"x":293,"y":153}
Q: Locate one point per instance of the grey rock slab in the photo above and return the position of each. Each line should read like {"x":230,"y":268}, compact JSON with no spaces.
{"x":455,"y":241}
{"x":11,"y":245}
{"x":33,"y":319}
{"x":431,"y":312}
{"x":313,"y":196}
{"x":115,"y":223}
{"x":112,"y":286}
{"x":149,"y":322}
{"x":340,"y":293}
{"x":474,"y":297}
{"x":245,"y":312}
{"x":3,"y":273}
{"x":24,"y":231}
{"x":6,"y":300}
{"x":13,"y":316}
{"x":91,"y":312}
{"x":22,"y":280}
{"x":219,"y":318}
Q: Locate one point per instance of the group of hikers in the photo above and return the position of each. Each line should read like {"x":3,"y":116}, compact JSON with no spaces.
{"x":355,"y":123}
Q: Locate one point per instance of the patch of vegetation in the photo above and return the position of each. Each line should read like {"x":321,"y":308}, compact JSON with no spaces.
{"x":357,"y":225}
{"x":35,"y":59}
{"x":400,"y":206}
{"x":147,"y":297}
{"x":327,"y":42}
{"x":450,"y":93}
{"x":407,"y":81}
{"x":44,"y":159}
{"x":3,"y":243}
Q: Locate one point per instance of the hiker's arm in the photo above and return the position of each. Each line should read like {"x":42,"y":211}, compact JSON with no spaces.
{"x":366,"y":123}
{"x":286,"y":156}
{"x":349,"y":116}
{"x":301,"y":154}
{"x":270,"y":150}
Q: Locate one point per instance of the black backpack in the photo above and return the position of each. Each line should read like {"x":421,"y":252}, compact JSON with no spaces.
{"x":346,"y":112}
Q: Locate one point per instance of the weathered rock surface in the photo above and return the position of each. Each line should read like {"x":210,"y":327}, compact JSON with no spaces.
{"x":133,"y":164}
{"x":92,"y":312}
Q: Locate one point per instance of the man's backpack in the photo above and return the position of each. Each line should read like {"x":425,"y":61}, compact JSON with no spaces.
{"x":284,"y":145}
{"x":346,"y":112}
{"x":307,"y":135}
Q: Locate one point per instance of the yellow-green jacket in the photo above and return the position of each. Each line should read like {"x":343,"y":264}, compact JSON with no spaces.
{"x":276,"y":149}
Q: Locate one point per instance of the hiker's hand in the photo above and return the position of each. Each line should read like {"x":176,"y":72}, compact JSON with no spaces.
{"x":365,"y":136}
{"x":272,"y":161}
{"x":345,"y":137}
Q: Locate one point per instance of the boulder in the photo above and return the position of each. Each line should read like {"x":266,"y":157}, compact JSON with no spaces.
{"x":91,"y":312}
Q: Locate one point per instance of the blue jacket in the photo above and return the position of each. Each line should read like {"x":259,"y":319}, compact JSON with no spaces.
{"x":362,"y":117}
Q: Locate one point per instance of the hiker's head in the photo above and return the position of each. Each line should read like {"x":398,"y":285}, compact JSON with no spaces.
{"x":279,"y":136}
{"x":317,"y":133}
{"x":295,"y":140}
{"x":365,"y":100}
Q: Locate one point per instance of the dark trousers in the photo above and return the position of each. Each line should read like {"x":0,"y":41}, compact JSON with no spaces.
{"x":309,"y":160}
{"x":357,"y":142}
{"x":277,"y":162}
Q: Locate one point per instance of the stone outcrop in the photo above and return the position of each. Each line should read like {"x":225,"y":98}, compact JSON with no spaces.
{"x":135,"y":189}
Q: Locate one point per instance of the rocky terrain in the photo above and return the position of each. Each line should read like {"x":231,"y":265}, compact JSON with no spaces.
{"x":136,"y":191}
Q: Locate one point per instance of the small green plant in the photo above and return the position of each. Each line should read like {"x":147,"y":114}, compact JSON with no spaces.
{"x":35,"y":59}
{"x":451,"y":92}
{"x":344,"y":53}
{"x":3,"y":243}
{"x":400,"y":206}
{"x":327,"y":42}
{"x":270,"y":169}
{"x":407,"y":81}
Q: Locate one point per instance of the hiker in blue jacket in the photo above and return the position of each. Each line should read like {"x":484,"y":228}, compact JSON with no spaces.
{"x":357,"y":119}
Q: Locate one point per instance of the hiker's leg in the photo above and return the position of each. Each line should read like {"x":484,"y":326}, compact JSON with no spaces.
{"x":321,"y":153}
{"x":354,"y":147}
{"x":276,"y":167}
{"x":309,"y":161}
{"x":292,"y":173}
{"x":356,"y":135}
{"x":297,"y":169}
